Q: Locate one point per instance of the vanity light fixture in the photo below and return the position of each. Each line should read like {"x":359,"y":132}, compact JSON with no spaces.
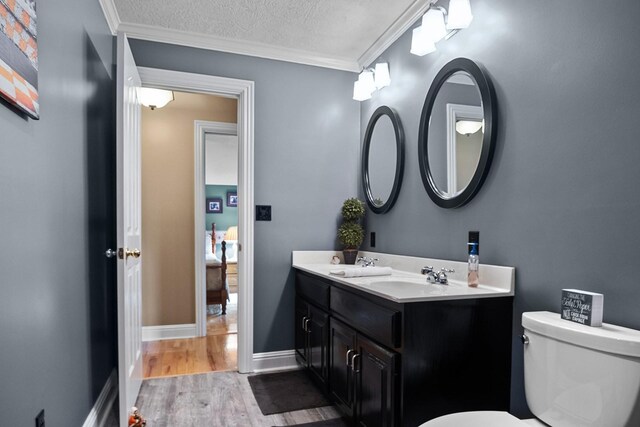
{"x":433,"y":27}
{"x":371,"y":79}
{"x":154,"y":98}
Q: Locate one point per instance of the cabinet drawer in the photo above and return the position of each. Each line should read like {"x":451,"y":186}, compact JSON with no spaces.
{"x":380,"y":323}
{"x":314,"y":290}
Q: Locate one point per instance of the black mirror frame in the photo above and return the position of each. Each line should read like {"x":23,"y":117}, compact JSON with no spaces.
{"x":489,"y":107}
{"x":397,"y":182}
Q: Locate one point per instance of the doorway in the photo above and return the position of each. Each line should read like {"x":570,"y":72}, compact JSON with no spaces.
{"x":219,"y":185}
{"x":242,"y":91}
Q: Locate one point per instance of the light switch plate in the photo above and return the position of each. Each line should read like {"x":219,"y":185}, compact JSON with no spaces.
{"x":263,"y":212}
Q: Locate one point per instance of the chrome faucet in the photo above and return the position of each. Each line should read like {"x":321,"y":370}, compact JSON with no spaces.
{"x":439,"y":277}
{"x":367,"y":262}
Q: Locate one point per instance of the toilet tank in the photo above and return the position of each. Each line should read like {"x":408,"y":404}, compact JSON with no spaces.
{"x":578,"y":375}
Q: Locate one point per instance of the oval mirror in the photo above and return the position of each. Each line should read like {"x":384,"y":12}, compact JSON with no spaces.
{"x":457,"y":138}
{"x":382,"y":160}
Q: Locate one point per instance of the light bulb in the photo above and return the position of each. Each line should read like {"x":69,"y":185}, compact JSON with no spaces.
{"x":459,"y":14}
{"x":382,"y":76}
{"x":433,"y":24}
{"x":421,"y":43}
{"x":359,"y":91}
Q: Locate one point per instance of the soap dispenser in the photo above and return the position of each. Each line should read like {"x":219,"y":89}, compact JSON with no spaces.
{"x":474,"y":265}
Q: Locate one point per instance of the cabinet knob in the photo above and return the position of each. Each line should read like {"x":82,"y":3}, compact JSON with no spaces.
{"x":304,"y":321}
{"x":306,"y":325}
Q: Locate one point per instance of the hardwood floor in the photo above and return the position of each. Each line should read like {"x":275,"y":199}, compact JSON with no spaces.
{"x":215,"y":352}
{"x":214,"y":399}
{"x":191,"y":394}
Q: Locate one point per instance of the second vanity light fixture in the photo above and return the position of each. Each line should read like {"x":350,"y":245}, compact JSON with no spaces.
{"x":438,"y":24}
{"x":371,"y":80}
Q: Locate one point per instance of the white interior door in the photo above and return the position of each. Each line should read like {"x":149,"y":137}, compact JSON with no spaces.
{"x":129,"y":217}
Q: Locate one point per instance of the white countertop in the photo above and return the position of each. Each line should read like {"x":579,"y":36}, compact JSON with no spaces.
{"x":406,"y":284}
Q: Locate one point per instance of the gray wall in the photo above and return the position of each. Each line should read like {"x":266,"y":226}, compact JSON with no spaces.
{"x":306,"y":157}
{"x":57,"y":294}
{"x":562,"y":201}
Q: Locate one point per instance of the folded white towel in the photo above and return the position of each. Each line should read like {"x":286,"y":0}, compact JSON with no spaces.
{"x":362,"y":271}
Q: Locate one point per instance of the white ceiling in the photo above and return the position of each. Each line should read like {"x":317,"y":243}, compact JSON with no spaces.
{"x":343,"y":34}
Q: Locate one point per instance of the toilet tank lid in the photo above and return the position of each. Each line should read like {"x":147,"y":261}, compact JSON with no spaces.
{"x":608,"y":338}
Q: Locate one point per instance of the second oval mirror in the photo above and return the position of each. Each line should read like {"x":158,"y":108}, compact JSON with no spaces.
{"x":456,"y":140}
{"x":383,"y":159}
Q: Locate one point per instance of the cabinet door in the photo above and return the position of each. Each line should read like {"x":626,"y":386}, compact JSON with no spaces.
{"x":342,"y":343}
{"x":376,"y":384}
{"x":302,"y":312}
{"x":318,"y":338}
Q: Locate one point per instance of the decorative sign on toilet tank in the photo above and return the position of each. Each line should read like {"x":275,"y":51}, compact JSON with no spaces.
{"x":582,"y":307}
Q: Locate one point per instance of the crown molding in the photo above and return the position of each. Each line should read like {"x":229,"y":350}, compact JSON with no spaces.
{"x":111,"y":15}
{"x":393,"y":33}
{"x":260,"y":50}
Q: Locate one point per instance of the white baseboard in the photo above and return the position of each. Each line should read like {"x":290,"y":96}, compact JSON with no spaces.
{"x":98,"y":414}
{"x":168,"y":332}
{"x":275,"y":361}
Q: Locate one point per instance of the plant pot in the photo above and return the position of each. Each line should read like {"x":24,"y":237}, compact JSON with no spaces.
{"x":350,"y":256}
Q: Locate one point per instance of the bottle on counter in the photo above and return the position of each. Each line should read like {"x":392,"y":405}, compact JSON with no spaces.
{"x":474,"y":265}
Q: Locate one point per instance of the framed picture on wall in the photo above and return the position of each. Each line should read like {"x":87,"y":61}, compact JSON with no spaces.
{"x":232,"y":199}
{"x":19,"y":55}
{"x":214,"y":205}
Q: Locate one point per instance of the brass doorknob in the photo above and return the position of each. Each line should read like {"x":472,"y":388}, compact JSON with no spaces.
{"x":126,"y":253}
{"x":132,"y":252}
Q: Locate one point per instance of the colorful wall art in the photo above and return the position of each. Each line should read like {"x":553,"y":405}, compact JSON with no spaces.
{"x":19,"y":55}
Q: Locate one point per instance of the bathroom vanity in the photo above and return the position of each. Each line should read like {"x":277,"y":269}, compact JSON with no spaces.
{"x":397,"y":351}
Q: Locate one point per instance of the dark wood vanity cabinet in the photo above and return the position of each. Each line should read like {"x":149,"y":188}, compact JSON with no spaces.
{"x":362,"y":377}
{"x":312,"y":327}
{"x":400,"y":364}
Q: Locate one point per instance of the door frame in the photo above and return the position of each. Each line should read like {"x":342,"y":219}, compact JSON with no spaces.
{"x":244,"y":92}
{"x":201,"y":128}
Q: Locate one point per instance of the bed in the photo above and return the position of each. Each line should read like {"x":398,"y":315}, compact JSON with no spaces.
{"x":216,"y":263}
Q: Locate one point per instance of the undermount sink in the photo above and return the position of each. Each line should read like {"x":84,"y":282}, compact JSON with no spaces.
{"x":399,"y":282}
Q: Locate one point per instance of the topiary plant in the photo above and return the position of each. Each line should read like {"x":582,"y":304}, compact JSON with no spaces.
{"x":353,"y":209}
{"x":350,"y":235}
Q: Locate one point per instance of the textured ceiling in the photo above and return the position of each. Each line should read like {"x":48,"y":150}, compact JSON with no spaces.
{"x":342,"y":29}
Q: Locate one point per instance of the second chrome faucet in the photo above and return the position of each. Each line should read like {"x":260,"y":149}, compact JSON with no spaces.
{"x":439,"y":277}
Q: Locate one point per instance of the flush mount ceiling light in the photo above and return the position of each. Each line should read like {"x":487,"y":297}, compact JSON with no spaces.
{"x":469,"y":127}
{"x":371,"y":79}
{"x":433,"y":27}
{"x":154,"y":98}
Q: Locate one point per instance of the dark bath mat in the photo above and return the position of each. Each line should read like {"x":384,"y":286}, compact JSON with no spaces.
{"x":335,"y":422}
{"x":285,"y":392}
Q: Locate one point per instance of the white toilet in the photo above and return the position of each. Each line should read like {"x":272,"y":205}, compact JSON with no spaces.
{"x":574,"y":376}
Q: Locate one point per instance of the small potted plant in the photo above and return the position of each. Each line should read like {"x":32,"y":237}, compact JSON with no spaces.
{"x":351,"y":233}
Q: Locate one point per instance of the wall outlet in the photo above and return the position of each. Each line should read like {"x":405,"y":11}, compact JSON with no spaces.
{"x":372,"y":239}
{"x":40,"y":419}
